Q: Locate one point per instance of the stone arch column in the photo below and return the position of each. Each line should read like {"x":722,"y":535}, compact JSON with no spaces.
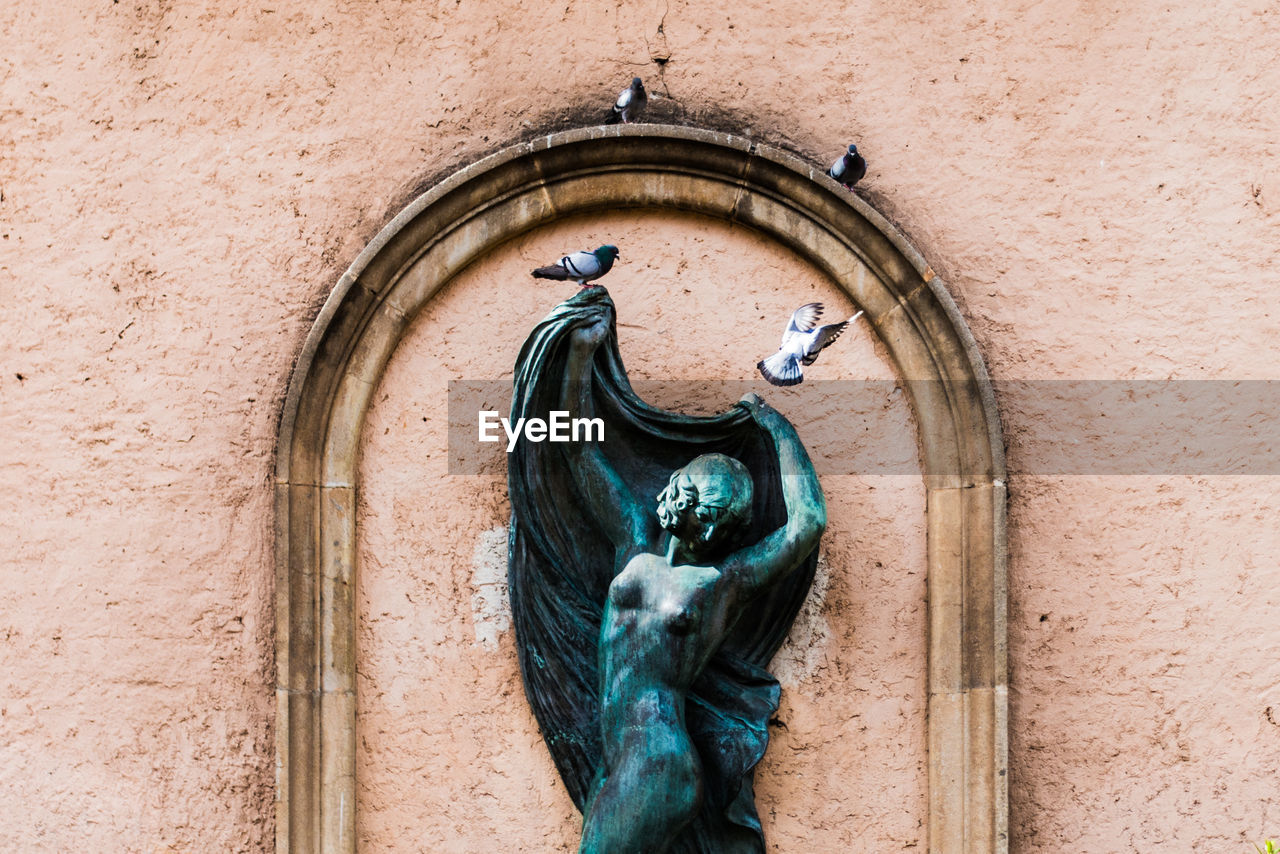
{"x":638,"y":166}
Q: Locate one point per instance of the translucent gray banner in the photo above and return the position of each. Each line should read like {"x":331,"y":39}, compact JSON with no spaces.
{"x":1051,"y":427}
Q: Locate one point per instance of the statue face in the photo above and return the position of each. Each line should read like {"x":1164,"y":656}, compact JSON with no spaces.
{"x":678,"y":509}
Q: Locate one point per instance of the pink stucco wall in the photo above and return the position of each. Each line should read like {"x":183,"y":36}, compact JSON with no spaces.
{"x":182,"y":185}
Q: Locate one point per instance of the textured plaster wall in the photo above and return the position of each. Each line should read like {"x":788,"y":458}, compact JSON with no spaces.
{"x":184,"y":183}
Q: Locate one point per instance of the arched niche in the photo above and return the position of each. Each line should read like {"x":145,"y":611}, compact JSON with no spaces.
{"x":639,"y":166}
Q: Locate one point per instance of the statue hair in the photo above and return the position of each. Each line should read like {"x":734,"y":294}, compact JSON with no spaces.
{"x":717,"y":479}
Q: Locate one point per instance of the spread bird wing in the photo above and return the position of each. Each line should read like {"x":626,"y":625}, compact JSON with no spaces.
{"x":804,"y":318}
{"x":824,"y":336}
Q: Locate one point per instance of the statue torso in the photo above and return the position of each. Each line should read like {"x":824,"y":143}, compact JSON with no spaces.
{"x":661,"y":624}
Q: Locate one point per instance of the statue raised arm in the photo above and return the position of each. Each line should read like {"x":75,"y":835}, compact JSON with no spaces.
{"x":644,"y":624}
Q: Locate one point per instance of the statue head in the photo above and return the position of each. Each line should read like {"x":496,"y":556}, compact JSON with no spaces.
{"x":706,"y":503}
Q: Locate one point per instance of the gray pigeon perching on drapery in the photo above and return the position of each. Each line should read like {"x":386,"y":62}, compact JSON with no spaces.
{"x":580,"y":267}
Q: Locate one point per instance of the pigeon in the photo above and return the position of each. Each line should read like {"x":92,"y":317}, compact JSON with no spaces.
{"x":850,"y":168}
{"x":631,"y":103}
{"x":581,"y":267}
{"x":801,"y":344}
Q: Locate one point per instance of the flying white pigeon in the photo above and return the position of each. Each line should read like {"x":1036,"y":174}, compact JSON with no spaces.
{"x":801,"y":344}
{"x":581,"y":267}
{"x":850,"y":168}
{"x":631,"y":103}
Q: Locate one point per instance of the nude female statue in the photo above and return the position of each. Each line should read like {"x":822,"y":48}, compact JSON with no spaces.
{"x":681,"y":581}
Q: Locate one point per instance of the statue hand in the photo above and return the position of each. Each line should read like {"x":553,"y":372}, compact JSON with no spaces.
{"x":753,"y":403}
{"x":590,"y":336}
{"x":764,"y":414}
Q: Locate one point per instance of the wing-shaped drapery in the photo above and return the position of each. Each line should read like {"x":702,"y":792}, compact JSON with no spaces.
{"x":561,"y":564}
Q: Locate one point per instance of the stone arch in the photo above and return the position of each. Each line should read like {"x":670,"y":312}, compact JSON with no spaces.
{"x":639,"y":166}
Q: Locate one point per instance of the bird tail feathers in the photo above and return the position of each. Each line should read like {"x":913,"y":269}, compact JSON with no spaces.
{"x":614,"y":117}
{"x":781,"y":369}
{"x":553,"y":272}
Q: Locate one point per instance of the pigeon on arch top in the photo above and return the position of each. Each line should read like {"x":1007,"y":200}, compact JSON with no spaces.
{"x":630,"y":104}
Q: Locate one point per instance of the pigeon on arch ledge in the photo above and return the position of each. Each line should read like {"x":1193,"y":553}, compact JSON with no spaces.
{"x":630,"y":104}
{"x":850,"y":168}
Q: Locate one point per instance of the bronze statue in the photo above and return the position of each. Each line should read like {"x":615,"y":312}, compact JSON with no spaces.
{"x":644,"y":631}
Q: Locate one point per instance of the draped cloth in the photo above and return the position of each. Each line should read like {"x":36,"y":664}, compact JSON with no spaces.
{"x":560,"y":564}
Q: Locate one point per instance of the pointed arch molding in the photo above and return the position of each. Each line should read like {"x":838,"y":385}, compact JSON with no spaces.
{"x":638,"y":166}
